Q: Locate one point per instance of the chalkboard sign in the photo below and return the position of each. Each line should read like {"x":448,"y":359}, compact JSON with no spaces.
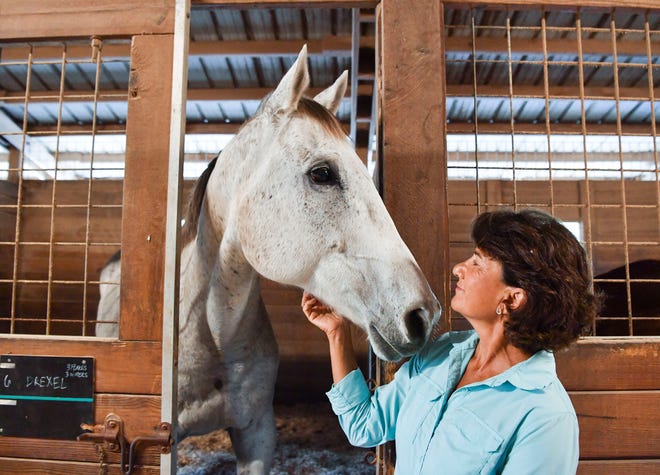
{"x":45,"y":396}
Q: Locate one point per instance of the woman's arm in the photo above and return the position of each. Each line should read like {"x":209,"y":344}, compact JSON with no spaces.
{"x":367,"y":419}
{"x":338,"y":332}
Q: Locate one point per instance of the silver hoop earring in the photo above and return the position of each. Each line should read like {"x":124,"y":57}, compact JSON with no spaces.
{"x":498,"y":311}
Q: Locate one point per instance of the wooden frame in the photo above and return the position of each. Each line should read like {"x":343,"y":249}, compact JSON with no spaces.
{"x":131,"y":390}
{"x":613,"y":383}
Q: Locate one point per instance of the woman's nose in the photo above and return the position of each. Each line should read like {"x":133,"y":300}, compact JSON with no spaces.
{"x":457,"y":269}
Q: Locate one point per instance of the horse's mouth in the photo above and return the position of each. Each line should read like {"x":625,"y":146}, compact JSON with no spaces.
{"x":383,"y":348}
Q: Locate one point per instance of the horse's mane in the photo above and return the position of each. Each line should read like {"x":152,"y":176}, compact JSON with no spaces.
{"x":194,"y":205}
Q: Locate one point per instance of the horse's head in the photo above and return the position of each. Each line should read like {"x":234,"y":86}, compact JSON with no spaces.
{"x":309,"y":215}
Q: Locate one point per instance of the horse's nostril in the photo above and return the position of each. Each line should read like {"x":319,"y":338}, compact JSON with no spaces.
{"x":416,"y":325}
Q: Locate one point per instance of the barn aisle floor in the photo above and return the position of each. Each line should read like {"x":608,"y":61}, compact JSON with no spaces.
{"x":309,"y":442}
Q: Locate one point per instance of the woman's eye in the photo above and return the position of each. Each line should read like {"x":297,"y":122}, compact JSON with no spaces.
{"x":322,"y":175}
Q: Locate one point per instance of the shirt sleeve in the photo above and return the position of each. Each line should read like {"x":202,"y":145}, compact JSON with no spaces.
{"x":369,"y":419}
{"x":545,"y":447}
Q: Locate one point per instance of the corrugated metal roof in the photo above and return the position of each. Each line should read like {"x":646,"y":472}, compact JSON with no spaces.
{"x":508,"y":59}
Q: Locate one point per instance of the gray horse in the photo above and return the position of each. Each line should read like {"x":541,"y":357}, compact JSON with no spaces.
{"x":288,"y":199}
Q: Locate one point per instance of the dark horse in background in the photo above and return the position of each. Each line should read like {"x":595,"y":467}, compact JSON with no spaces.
{"x":644,"y":299}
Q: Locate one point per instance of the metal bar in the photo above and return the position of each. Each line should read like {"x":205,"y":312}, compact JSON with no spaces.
{"x":511,"y":111}
{"x":546,"y":87}
{"x":624,"y":213}
{"x":654,"y":130}
{"x":355,"y":71}
{"x":96,"y":56}
{"x":172,"y":243}
{"x":475,"y":115}
{"x":19,"y":198}
{"x":54,"y":193}
{"x":583,"y":122}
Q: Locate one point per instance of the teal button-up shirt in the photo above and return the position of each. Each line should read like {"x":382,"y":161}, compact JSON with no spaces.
{"x":518,"y":422}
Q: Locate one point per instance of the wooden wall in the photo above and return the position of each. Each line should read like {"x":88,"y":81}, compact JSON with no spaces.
{"x":614,"y":384}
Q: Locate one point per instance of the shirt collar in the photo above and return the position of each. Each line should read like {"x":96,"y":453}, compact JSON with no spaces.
{"x":535,"y":373}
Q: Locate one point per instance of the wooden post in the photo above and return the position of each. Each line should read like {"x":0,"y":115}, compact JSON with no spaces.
{"x":412,"y":90}
{"x":412,"y":75}
{"x":145,"y":187}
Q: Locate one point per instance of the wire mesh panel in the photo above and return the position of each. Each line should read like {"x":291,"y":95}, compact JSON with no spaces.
{"x":62,"y":144}
{"x":558,"y":110}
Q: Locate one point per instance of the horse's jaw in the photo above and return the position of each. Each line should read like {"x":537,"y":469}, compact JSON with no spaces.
{"x":388,"y":298}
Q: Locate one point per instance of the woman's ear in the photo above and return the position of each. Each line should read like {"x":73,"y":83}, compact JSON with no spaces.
{"x":516,"y":298}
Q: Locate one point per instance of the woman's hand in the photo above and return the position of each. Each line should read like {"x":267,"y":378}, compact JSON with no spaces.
{"x":338,"y":331}
{"x":321,"y":315}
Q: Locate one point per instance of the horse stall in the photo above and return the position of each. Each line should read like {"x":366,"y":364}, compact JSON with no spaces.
{"x":454,"y":108}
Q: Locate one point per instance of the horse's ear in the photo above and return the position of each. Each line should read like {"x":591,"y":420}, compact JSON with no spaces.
{"x":292,"y":86}
{"x":331,"y":97}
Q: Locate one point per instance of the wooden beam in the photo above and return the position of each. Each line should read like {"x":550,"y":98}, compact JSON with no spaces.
{"x":452,"y":128}
{"x":145,"y":188}
{"x":617,"y":424}
{"x":411,"y":61}
{"x":486,"y":44}
{"x":333,"y":46}
{"x":600,"y":467}
{"x":613,"y":363}
{"x":121,"y":95}
{"x":36,"y":19}
{"x":540,"y":128}
{"x":287,"y":3}
{"x":558,"y":4}
{"x":554,"y":92}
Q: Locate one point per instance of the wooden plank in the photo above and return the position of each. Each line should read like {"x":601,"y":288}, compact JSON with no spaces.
{"x":629,"y":467}
{"x":26,"y":467}
{"x":628,"y":45}
{"x":571,"y":4}
{"x":618,"y":425}
{"x":413,"y":120}
{"x":542,"y":129}
{"x":66,"y":450}
{"x":35,"y":19}
{"x":610,"y":364}
{"x":121,"y":366}
{"x":145,"y":188}
{"x":554,"y":92}
{"x":139,"y":413}
{"x":288,"y":3}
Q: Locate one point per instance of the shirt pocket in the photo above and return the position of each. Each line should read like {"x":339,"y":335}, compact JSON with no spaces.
{"x":462,"y":444}
{"x":419,"y":412}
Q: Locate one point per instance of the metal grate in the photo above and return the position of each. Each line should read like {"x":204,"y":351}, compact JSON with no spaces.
{"x":558,"y":111}
{"x":60,"y":219}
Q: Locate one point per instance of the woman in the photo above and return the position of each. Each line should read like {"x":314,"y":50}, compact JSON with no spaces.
{"x":486,"y":400}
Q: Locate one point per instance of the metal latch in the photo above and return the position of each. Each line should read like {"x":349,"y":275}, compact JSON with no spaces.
{"x":111,"y":435}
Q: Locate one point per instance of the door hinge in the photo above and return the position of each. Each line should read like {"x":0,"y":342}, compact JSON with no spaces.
{"x":111,"y":435}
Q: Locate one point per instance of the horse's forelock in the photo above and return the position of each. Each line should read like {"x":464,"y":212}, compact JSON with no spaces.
{"x":313,"y":109}
{"x":194,"y":206}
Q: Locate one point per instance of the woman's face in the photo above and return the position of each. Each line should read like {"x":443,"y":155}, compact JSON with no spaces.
{"x":480,"y":287}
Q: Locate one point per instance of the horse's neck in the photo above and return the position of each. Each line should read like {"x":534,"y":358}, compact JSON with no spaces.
{"x":221,"y":288}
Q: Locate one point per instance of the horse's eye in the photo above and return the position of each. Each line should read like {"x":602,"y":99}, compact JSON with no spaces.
{"x":323,"y":175}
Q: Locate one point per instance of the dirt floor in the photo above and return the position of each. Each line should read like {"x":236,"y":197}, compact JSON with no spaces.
{"x":309,"y":442}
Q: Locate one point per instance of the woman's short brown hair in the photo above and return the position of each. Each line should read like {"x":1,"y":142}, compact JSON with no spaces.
{"x":539,"y":255}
